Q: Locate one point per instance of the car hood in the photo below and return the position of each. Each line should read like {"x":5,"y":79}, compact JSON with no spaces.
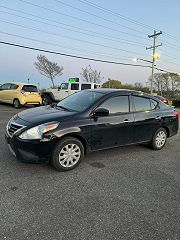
{"x":44,"y":114}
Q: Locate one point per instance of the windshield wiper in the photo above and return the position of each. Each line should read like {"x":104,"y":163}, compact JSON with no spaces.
{"x":64,"y":108}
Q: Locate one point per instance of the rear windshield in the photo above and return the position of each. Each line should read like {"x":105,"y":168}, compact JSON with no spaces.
{"x":29,"y":88}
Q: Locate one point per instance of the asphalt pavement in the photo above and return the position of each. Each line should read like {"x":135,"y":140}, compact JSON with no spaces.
{"x":124,"y":193}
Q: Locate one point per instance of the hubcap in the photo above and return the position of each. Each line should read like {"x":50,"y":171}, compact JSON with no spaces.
{"x":160,"y":139}
{"x":16,"y":103}
{"x":69,"y":155}
{"x":45,"y":101}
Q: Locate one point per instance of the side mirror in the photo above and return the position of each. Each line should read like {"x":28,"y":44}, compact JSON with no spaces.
{"x":101,"y":112}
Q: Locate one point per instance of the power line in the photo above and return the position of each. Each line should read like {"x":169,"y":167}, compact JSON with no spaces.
{"x":80,"y":19}
{"x":60,"y":23}
{"x":113,"y":56}
{"x":78,"y":57}
{"x":94,"y":15}
{"x":58,"y":45}
{"x":73,"y":56}
{"x":77,"y":31}
{"x":123,"y":41}
{"x":67,"y":37}
{"x":114,"y":13}
{"x":124,"y":17}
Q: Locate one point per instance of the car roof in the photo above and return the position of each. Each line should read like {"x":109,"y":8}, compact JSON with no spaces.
{"x":20,"y":83}
{"x":110,"y":91}
{"x":113,"y":90}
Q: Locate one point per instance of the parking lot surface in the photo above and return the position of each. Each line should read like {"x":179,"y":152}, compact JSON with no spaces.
{"x":130,"y":192}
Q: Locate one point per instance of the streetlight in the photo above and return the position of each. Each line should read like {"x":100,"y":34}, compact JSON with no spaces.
{"x":148,"y":61}
{"x":141,"y":59}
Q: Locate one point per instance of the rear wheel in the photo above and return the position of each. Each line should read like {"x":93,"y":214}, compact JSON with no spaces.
{"x":16,"y":103}
{"x":46,"y":100}
{"x":67,"y":154}
{"x":159,"y":139}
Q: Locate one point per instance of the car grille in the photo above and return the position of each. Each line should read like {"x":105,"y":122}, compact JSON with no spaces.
{"x":13,"y":127}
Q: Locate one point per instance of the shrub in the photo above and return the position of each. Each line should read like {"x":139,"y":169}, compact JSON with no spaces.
{"x":176,"y":101}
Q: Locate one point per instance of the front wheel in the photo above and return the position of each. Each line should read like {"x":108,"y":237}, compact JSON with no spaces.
{"x":67,"y":154}
{"x":159,"y":139}
{"x":16,"y":103}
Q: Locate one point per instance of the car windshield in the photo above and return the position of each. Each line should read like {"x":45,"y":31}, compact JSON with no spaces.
{"x":80,"y":101}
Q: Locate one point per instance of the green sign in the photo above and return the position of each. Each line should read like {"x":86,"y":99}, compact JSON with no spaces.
{"x":72,"y":80}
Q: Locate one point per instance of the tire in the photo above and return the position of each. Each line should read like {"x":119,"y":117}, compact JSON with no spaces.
{"x":159,"y":139}
{"x":16,"y":103}
{"x":67,"y":154}
{"x":46,"y":100}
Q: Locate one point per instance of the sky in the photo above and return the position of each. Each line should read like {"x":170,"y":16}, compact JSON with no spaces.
{"x":115,"y":30}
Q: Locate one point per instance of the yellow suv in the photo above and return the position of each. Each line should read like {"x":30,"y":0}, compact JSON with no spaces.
{"x":19,"y":94}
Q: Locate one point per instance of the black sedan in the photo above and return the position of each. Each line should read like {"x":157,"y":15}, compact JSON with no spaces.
{"x":87,"y":121}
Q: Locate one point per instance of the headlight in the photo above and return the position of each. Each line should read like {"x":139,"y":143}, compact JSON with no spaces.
{"x":37,"y":132}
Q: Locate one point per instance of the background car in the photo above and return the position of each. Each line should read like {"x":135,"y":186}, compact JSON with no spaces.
{"x":19,"y":94}
{"x":162,"y":99}
{"x":89,"y":120}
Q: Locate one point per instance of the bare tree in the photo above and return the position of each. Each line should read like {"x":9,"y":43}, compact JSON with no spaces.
{"x":167,"y":83}
{"x":90,"y":75}
{"x":48,"y":68}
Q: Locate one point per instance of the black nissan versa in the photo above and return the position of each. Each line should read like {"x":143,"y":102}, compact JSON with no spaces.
{"x":87,"y":121}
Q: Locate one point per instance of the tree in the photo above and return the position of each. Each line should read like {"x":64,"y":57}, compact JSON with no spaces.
{"x":117,"y":84}
{"x":112,"y":84}
{"x":48,"y":68}
{"x":90,"y":75}
{"x":166,"y":83}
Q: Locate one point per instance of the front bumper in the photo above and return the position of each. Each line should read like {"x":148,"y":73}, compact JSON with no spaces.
{"x":30,"y":151}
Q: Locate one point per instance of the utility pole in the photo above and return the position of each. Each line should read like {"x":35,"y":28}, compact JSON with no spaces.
{"x":154,"y":36}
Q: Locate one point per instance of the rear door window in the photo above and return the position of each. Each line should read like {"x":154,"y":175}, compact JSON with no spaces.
{"x":29,"y":88}
{"x":14,"y":86}
{"x":141,"y":103}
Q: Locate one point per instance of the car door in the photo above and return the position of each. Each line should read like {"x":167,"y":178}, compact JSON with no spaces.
{"x":116,"y":128}
{"x":4,"y":92}
{"x":147,"y":118}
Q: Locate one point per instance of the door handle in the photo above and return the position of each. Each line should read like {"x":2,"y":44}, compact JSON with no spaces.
{"x":126,"y":121}
{"x":158,"y":118}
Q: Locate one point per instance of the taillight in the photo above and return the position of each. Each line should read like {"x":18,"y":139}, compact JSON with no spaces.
{"x":22,"y":91}
{"x":164,"y":100}
{"x":176,"y":114}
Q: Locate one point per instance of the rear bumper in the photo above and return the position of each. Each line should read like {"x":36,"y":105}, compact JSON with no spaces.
{"x":30,"y":151}
{"x":26,"y":100}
